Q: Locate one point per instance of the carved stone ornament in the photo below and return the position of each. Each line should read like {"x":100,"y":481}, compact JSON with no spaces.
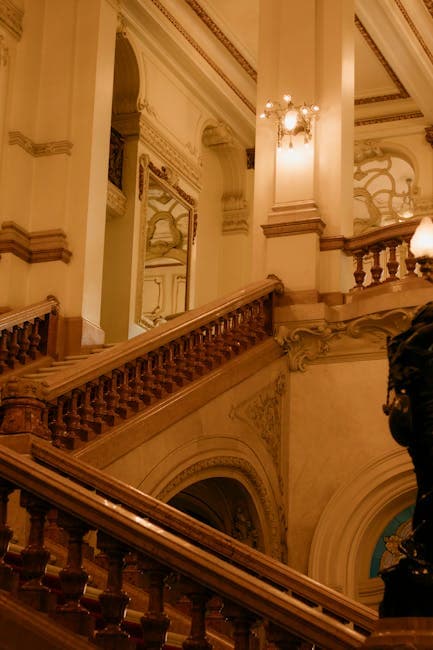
{"x":37,"y":149}
{"x":366,"y":149}
{"x":192,"y":475}
{"x":325,"y":341}
{"x":156,"y":140}
{"x":116,"y":201}
{"x":23,"y":406}
{"x":262,"y":412}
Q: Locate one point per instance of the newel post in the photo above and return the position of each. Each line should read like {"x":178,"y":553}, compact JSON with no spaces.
{"x":23,"y":407}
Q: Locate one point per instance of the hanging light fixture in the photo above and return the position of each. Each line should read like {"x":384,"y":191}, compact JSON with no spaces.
{"x":291,"y":119}
{"x":407,"y":207}
{"x":421,"y":245}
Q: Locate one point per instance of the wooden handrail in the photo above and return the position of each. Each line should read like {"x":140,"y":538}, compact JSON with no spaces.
{"x":107,"y":360}
{"x":27,"y":314}
{"x":172,"y":551}
{"x":268,"y":569}
{"x":396,"y":231}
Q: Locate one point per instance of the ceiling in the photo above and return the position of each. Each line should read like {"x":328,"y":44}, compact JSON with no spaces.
{"x":393,"y":51}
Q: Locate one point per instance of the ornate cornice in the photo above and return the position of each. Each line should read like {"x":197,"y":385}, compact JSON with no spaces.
{"x":33,"y":247}
{"x":402,"y":92}
{"x":219,"y":34}
{"x":415,"y":31}
{"x":298,"y":227}
{"x":40,"y":148}
{"x":192,"y":474}
{"x":12,"y":18}
{"x":388,"y":118}
{"x":151,"y":136}
{"x":203,"y":54}
{"x":324,"y":341}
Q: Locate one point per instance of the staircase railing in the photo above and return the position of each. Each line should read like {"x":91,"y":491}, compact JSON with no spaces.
{"x":380,"y":256}
{"x":79,"y":403}
{"x":271,"y":571}
{"x":246,"y":598}
{"x":28,"y":333}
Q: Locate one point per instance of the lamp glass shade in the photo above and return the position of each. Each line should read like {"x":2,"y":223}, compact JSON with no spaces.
{"x":421,"y":243}
{"x":290,"y":120}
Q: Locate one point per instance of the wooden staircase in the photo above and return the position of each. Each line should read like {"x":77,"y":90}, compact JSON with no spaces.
{"x":69,"y":406}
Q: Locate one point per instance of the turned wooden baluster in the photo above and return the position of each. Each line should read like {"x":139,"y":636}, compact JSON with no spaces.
{"x":35,"y":339}
{"x":34,"y":556}
{"x":242,"y":621}
{"x":99,"y":405}
{"x":154,"y":622}
{"x":73,"y":421}
{"x":359,"y":273}
{"x":152,"y":386}
{"x":85,"y":410}
{"x":284,"y":640}
{"x":57,"y":424}
{"x":6,"y":572}
{"x":184,"y":367}
{"x":171,"y":364}
{"x":113,"y":600}
{"x":24,"y":343}
{"x":3,"y":350}
{"x":111,"y":399}
{"x":198,"y":597}
{"x":73,"y":578}
{"x":138,"y":399}
{"x":193,"y":353}
{"x":376,"y":269}
{"x":13,"y":347}
{"x":393,"y":263}
{"x":132,"y":377}
{"x":410,"y":261}
{"x":124,"y":392}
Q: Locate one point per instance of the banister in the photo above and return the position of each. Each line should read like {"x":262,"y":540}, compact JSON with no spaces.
{"x":107,"y":360}
{"x":38,"y":309}
{"x":193,"y":562}
{"x":226,"y":547}
{"x":350,"y":245}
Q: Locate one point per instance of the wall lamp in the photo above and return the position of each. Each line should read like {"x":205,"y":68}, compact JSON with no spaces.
{"x":421,"y":245}
{"x":291,"y":119}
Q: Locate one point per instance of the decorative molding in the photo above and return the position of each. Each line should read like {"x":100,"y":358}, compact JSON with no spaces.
{"x":155,"y":139}
{"x":298,"y":227}
{"x":41,"y":148}
{"x":116,"y":201}
{"x":33,"y":247}
{"x":167,"y":174}
{"x":204,"y":55}
{"x":220,"y":463}
{"x":415,"y":31}
{"x":429,"y":6}
{"x":262,"y":412}
{"x":365,"y":335}
{"x":389,"y":118}
{"x":429,"y":134}
{"x":235,"y":221}
{"x":219,"y":34}
{"x":402,"y":92}
{"x":12,"y":18}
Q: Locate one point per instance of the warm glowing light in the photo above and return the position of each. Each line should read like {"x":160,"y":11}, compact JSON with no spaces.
{"x":316,"y":108}
{"x":287,"y":98}
{"x":304,"y":110}
{"x":268,"y":104}
{"x":262,"y":116}
{"x":290,"y":120}
{"x":421,"y":243}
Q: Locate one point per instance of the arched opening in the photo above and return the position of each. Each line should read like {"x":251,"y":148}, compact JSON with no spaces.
{"x":119,"y":230}
{"x":224,"y":504}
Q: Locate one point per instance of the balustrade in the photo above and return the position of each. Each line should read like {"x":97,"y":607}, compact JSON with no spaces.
{"x":246,"y":598}
{"x":28,"y":333}
{"x":380,"y":256}
{"x":83,"y":404}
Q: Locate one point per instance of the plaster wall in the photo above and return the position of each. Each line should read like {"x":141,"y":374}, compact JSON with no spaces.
{"x":336,"y":427}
